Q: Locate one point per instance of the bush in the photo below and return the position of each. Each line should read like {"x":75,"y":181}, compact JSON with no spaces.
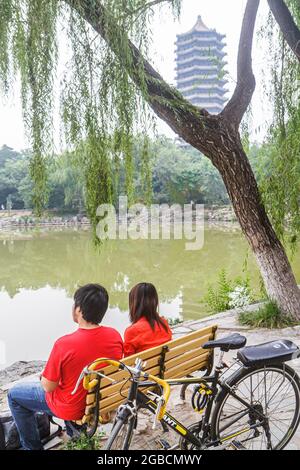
{"x":228,"y":294}
{"x":174,"y":321}
{"x":83,"y":442}
{"x":268,"y":316}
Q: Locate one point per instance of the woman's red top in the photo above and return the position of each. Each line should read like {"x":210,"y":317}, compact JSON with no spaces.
{"x":140,"y":336}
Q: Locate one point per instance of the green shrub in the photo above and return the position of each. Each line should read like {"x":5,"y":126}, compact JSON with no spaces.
{"x":268,"y":316}
{"x":174,"y":321}
{"x":83,"y":442}
{"x":228,"y":293}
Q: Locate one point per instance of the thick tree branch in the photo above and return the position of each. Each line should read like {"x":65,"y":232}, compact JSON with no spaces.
{"x":238,"y":104}
{"x":289,"y":29}
{"x":165,"y":100}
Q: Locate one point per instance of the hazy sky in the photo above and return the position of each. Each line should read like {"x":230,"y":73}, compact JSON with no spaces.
{"x":223,"y":15}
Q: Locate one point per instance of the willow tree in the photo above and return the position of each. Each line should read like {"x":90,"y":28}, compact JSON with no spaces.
{"x":280,"y":182}
{"x":110,"y":86}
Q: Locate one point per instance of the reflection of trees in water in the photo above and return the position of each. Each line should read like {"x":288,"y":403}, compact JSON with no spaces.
{"x":68,"y":259}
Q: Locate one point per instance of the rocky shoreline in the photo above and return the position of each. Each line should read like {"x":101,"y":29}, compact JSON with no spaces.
{"x":19,"y":370}
{"x":18,"y":221}
{"x":15,"y":372}
{"x":25,"y":219}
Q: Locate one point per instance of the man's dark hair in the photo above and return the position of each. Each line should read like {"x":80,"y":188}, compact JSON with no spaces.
{"x":92,"y":299}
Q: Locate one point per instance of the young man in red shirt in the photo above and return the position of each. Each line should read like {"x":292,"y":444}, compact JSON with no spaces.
{"x":70,"y":354}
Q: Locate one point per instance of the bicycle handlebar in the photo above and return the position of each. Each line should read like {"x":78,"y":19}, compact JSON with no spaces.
{"x":91,"y":369}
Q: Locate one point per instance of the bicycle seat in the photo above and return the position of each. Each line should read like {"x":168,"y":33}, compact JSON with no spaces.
{"x":273,"y":352}
{"x":234,"y":341}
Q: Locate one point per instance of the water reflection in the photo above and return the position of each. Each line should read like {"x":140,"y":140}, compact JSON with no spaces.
{"x":39,"y":271}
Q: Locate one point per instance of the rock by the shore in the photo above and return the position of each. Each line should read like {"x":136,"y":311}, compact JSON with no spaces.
{"x":21,"y":218}
{"x":20,"y":369}
{"x":18,"y":220}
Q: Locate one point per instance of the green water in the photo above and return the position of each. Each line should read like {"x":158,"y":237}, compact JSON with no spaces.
{"x":39,"y":271}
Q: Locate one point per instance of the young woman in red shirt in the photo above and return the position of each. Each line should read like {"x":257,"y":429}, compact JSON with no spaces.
{"x":148,"y":328}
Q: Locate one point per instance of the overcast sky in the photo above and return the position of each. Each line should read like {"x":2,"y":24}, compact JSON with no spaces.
{"x":223,"y":15}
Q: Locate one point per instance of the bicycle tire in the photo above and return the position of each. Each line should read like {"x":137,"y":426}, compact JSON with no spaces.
{"x":241,"y":376}
{"x":124,"y":440}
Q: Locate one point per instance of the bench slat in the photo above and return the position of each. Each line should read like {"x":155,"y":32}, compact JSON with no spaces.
{"x":187,"y":366}
{"x":194,"y":335}
{"x":189,"y":346}
{"x":112,"y":407}
{"x":200,"y":354}
{"x":130,"y":360}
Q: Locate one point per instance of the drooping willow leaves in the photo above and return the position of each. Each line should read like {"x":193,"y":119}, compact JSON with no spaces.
{"x":55,"y":53}
{"x":280,"y":183}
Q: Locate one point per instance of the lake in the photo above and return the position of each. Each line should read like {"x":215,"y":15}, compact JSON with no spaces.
{"x":40,"y":270}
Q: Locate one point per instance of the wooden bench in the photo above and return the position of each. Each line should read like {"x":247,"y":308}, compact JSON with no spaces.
{"x":177,"y":358}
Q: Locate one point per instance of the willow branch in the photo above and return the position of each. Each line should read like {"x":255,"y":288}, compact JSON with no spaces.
{"x":148,"y":5}
{"x":286,"y":22}
{"x":164,"y":99}
{"x":241,"y":98}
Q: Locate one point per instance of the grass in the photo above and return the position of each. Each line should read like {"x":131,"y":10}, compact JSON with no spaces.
{"x":268,"y":316}
{"x":174,"y":321}
{"x":84,"y":442}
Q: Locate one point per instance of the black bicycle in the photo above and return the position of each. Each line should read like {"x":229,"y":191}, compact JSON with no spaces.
{"x":255,"y":407}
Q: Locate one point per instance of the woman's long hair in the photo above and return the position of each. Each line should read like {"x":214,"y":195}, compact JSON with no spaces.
{"x":143,"y":302}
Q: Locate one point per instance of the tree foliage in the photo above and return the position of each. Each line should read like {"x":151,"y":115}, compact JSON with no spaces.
{"x":176,"y":175}
{"x":280,"y":163}
{"x":100,"y":106}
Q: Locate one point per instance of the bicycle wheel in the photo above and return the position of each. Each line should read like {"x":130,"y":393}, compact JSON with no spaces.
{"x":274,"y":391}
{"x":121,"y":435}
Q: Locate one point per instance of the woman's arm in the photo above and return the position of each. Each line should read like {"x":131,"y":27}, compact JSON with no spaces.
{"x":130,"y":341}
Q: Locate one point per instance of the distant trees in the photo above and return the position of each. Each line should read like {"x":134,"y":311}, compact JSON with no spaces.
{"x":16,"y":183}
{"x":181,"y":175}
{"x":178,"y":176}
{"x":14,"y":179}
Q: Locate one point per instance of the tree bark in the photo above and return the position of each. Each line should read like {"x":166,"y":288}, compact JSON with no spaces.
{"x":289,"y":29}
{"x":218,"y":138}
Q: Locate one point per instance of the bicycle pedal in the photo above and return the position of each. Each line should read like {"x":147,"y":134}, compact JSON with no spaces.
{"x":163,"y":444}
{"x":237,"y":445}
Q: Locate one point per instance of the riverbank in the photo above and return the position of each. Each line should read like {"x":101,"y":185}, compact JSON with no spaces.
{"x":25,"y":218}
{"x":145,"y":437}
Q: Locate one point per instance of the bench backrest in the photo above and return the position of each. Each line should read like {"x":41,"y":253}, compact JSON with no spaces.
{"x":176,"y":358}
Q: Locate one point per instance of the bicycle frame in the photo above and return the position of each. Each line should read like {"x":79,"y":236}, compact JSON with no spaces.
{"x":144,"y":401}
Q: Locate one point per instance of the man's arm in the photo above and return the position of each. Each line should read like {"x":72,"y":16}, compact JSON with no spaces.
{"x":48,"y":385}
{"x":51,"y":375}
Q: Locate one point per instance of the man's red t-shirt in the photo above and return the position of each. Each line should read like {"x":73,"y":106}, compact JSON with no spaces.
{"x":140,"y":336}
{"x":70,"y":354}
